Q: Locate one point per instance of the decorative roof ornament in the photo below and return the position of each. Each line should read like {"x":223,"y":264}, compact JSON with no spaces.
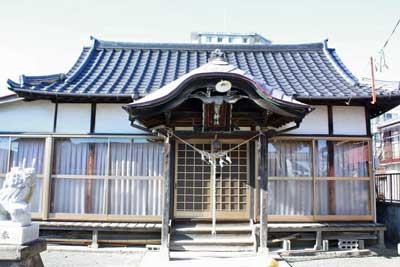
{"x":217,"y":54}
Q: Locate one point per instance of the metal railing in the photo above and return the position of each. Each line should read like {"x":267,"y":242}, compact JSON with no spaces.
{"x":387,"y":187}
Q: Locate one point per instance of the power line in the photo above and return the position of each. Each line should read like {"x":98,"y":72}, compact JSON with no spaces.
{"x":390,"y":36}
{"x":382,"y":57}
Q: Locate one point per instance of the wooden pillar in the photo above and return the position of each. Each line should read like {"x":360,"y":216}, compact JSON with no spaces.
{"x":89,"y":182}
{"x":47,"y":178}
{"x":166,"y":198}
{"x":263,"y":173}
{"x":331,"y":183}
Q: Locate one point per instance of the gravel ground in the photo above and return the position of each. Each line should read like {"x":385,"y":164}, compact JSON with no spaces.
{"x":385,"y":258}
{"x":350,"y":262}
{"x":63,"y":256}
{"x":83,"y":257}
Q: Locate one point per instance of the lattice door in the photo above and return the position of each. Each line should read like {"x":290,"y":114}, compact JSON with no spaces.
{"x":193,"y":185}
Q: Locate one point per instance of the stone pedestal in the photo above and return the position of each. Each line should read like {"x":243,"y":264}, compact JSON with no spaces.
{"x":20,"y":245}
{"x":12,"y":233}
{"x":27,"y":255}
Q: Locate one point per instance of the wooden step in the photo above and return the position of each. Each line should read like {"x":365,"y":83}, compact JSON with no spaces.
{"x":208,"y":236}
{"x":212,"y":248}
{"x":220,"y":228}
{"x":233,"y":237}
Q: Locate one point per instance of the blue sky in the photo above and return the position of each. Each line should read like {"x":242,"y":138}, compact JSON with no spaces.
{"x":46,"y":36}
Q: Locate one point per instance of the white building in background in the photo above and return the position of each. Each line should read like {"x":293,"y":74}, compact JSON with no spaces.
{"x":385,"y":131}
{"x":228,"y":38}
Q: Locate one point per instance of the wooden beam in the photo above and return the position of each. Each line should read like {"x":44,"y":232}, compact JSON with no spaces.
{"x":330,"y":120}
{"x":166,"y":197}
{"x":263,"y":173}
{"x":93,"y":118}
{"x":55,"y":117}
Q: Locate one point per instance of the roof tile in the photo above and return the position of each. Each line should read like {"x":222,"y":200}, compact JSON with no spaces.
{"x":115,"y":68}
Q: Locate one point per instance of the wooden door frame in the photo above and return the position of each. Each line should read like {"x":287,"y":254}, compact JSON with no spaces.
{"x":221,"y":215}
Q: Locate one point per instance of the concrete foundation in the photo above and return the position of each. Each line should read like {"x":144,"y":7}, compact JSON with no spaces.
{"x":12,"y":233}
{"x":27,"y":255}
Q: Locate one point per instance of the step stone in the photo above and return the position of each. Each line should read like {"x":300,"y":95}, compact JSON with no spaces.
{"x":234,"y":237}
{"x":212,"y":248}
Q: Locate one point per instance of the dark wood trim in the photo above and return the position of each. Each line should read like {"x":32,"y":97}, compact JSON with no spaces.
{"x":55,"y":117}
{"x":93,"y":118}
{"x":368,"y":121}
{"x":324,"y":135}
{"x":330,"y":120}
{"x":221,"y":135}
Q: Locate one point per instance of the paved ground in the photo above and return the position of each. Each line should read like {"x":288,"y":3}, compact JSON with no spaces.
{"x":63,"y":256}
{"x":350,"y":262}
{"x":209,"y":259}
{"x":384,"y":258}
{"x":70,"y":256}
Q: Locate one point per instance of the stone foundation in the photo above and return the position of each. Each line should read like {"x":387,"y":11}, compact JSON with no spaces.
{"x":27,"y":255}
{"x":12,"y":233}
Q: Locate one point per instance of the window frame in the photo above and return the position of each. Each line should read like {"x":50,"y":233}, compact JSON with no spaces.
{"x":47,"y":177}
{"x":34,"y":215}
{"x":315,"y":217}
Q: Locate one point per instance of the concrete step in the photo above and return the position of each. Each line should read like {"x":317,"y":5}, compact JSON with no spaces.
{"x":233,"y":237}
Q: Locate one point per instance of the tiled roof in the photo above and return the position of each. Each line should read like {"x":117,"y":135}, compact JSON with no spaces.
{"x":135,"y":69}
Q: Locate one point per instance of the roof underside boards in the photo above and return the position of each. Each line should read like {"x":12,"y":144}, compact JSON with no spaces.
{"x":136,"y":69}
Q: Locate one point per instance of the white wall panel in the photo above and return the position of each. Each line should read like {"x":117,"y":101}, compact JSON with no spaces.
{"x":21,"y":116}
{"x":111,"y":118}
{"x":315,"y":122}
{"x":349,"y":120}
{"x":73,"y":118}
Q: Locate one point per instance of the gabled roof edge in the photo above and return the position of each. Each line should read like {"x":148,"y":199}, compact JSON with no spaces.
{"x":338,"y":64}
{"x":85,"y":62}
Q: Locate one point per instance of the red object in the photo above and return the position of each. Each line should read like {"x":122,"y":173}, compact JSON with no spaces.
{"x":373,"y":82}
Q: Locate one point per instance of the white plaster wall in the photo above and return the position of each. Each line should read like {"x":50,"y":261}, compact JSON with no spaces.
{"x":349,"y":120}
{"x":111,"y":118}
{"x":73,"y":118}
{"x":315,"y":122}
{"x":29,"y":117}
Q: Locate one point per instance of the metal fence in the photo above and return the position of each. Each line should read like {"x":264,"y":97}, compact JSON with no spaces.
{"x":387,"y":187}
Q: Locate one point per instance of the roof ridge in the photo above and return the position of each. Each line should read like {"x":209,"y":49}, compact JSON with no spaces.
{"x":104,"y":44}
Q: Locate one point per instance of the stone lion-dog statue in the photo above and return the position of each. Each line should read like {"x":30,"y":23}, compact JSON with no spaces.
{"x":15,"y":195}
